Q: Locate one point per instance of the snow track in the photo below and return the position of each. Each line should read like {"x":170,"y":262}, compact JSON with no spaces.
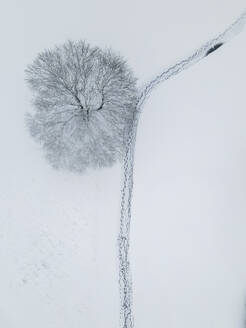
{"x":125,"y":280}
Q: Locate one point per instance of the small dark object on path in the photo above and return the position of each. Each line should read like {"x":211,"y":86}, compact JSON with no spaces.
{"x":215,"y":47}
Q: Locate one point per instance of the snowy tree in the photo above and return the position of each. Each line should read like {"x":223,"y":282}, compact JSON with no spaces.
{"x":84,"y":100}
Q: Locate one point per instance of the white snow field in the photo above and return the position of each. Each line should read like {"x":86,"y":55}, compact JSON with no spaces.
{"x":58,"y":231}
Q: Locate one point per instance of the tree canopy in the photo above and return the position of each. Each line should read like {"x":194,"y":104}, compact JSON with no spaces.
{"x":84,"y":102}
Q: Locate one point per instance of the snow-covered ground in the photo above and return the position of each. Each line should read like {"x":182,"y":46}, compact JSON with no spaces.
{"x":58,"y":256}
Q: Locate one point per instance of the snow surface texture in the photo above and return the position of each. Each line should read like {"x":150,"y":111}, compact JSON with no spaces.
{"x":127,"y":190}
{"x":188,"y":237}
